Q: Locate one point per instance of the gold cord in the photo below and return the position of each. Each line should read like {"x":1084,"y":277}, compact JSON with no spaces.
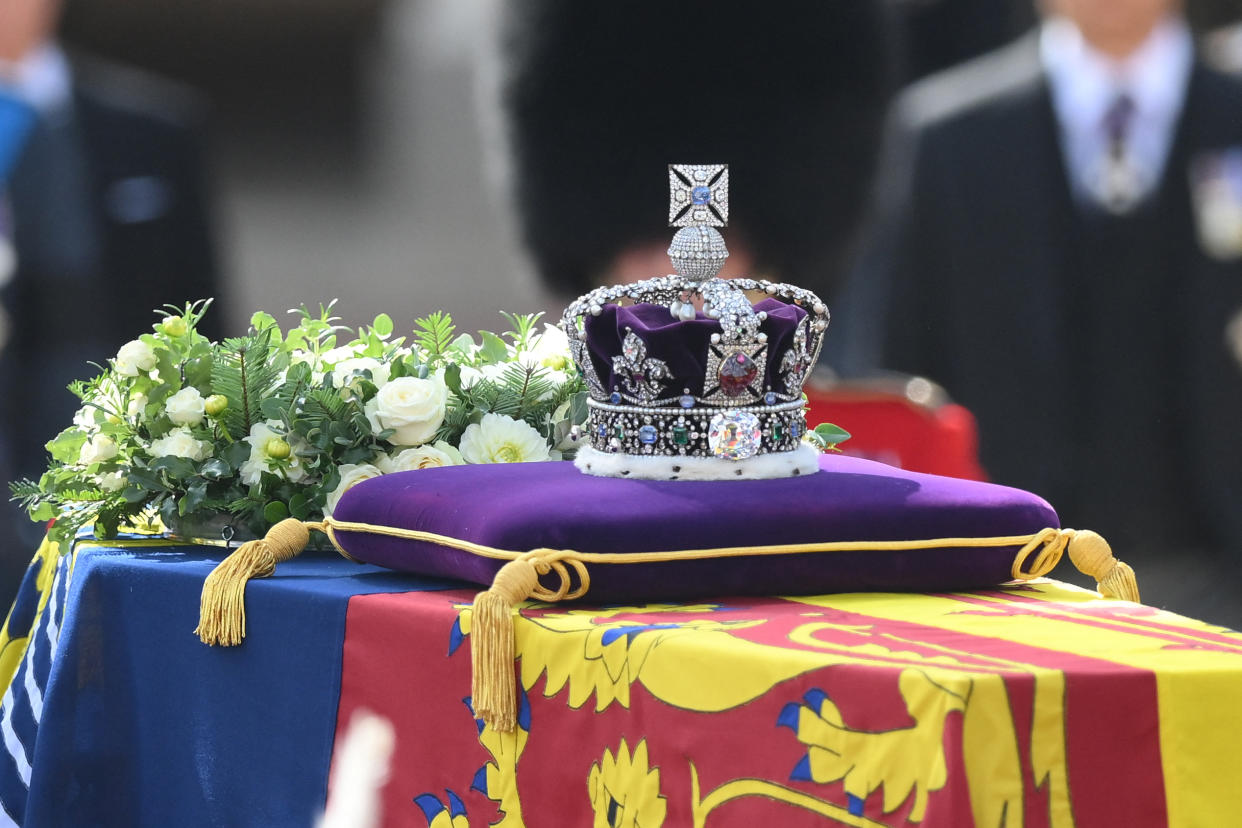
{"x":222,"y":618}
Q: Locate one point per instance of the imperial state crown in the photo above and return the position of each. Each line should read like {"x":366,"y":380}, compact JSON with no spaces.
{"x":688,"y":378}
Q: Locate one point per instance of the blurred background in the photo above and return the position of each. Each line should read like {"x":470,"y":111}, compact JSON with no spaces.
{"x":356,"y":149}
{"x":347,"y":146}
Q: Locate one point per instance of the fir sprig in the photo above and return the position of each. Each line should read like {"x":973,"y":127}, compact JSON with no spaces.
{"x":244,"y":372}
{"x":434,"y":334}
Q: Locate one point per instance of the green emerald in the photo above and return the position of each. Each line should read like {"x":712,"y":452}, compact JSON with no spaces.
{"x":681,"y":435}
{"x":778,"y":432}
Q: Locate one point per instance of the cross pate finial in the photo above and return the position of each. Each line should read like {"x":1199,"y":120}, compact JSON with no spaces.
{"x":698,"y":194}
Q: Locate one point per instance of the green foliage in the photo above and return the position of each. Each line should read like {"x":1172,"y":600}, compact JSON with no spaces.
{"x":433,"y":334}
{"x":245,"y":372}
{"x":258,"y":427}
{"x":827,"y":436}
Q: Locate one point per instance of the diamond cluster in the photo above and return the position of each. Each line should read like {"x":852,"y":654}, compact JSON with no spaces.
{"x":734,"y":434}
{"x":698,"y":253}
{"x":698,"y":194}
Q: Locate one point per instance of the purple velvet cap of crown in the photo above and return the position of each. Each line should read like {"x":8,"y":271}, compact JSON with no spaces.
{"x":682,"y":346}
{"x":529,"y":505}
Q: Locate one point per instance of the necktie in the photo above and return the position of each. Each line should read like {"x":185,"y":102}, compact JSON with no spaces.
{"x":1120,"y":183}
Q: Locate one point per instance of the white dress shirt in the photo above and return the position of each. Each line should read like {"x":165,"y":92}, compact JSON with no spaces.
{"x":1085,"y":83}
{"x":41,"y":78}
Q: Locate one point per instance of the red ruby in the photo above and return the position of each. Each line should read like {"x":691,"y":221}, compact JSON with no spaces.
{"x":737,"y":372}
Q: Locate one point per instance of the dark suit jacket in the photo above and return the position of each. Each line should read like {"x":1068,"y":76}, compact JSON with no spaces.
{"x":110,"y":221}
{"x":972,"y":276}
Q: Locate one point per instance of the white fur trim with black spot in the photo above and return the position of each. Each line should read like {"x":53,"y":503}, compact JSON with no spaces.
{"x":800,"y":461}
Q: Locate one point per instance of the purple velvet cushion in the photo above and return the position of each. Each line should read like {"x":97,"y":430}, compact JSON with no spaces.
{"x":530,"y":505}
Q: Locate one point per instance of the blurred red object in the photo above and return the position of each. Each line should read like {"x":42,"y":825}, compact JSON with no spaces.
{"x":903,"y":421}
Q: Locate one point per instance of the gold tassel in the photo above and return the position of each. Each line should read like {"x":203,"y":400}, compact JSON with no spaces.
{"x":1093,"y":556}
{"x":222,"y":609}
{"x":493,"y":688}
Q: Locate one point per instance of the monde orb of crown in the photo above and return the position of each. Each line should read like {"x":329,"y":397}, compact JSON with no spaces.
{"x":698,"y":253}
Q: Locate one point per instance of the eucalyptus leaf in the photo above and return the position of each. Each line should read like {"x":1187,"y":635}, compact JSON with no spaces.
{"x":382,"y":325}
{"x":494,"y":348}
{"x":831,"y":434}
{"x":215,"y":469}
{"x":464,"y":343}
{"x":275,"y":511}
{"x":299,"y":506}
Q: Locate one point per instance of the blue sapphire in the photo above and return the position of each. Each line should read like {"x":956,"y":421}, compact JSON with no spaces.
{"x":795,"y":429}
{"x":647,"y":435}
{"x":701,"y":194}
{"x":602,"y":431}
{"x":769,"y":398}
{"x":687,"y":401}
{"x":615,"y":398}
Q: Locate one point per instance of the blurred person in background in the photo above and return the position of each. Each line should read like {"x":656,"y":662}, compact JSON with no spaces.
{"x":937,"y":34}
{"x":1059,"y":243}
{"x":601,"y":97}
{"x":104,"y":212}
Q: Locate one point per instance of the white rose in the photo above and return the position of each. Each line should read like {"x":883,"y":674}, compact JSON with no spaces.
{"x":413,"y":407}
{"x":351,"y":475}
{"x":180,"y":443}
{"x":260,"y":440}
{"x":345,"y":373}
{"x":112,"y":481}
{"x":422,"y":457}
{"x":135,"y":357}
{"x":137,"y":405}
{"x":185,"y":407}
{"x":98,"y":449}
{"x":501,"y":439}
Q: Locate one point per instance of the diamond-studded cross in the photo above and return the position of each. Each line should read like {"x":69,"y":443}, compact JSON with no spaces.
{"x":698,"y":194}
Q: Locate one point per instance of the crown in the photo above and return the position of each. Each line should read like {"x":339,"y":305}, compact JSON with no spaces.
{"x":687,"y":378}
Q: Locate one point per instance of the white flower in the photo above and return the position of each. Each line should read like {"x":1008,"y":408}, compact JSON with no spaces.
{"x":185,"y":407}
{"x":336,"y":355}
{"x":263,"y":440}
{"x":98,"y":449}
{"x":137,"y":405}
{"x":413,"y":407}
{"x":501,"y":439}
{"x":112,"y":481}
{"x":84,"y":417}
{"x":549,"y":350}
{"x":345,"y":374}
{"x":180,"y":442}
{"x":422,"y":457}
{"x":470,"y":375}
{"x":135,"y":357}
{"x":351,"y":475}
